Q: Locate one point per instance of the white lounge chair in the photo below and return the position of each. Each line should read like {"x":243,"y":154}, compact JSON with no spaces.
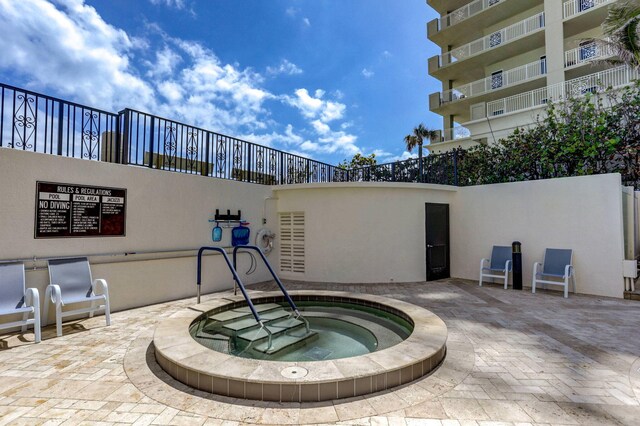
{"x":16,"y":299}
{"x":70,"y":282}
{"x":557,"y":264}
{"x":498,"y":266}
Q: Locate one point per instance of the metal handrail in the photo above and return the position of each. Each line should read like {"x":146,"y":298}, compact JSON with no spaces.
{"x":235,"y":277}
{"x":275,"y":277}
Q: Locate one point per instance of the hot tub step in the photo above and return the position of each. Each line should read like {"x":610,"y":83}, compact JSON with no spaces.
{"x":242,"y":312}
{"x":275,"y":327}
{"x":284,"y":341}
{"x":250,"y":321}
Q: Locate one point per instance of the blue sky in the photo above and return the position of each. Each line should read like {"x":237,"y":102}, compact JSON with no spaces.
{"x":322,"y":78}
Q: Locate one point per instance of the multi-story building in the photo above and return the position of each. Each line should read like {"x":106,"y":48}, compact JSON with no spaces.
{"x":503,"y":60}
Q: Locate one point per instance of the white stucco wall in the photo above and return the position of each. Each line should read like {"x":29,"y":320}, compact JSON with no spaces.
{"x":363,"y":232}
{"x":581,"y":213}
{"x":375,"y":232}
{"x":165,"y":211}
{"x":355,"y":232}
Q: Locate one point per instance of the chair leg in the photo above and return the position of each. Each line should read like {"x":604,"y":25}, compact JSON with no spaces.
{"x":480,"y":279}
{"x":58,"y":320}
{"x":566,"y":287}
{"x":506,"y":280}
{"x":36,"y":322}
{"x":45,"y":313}
{"x":533,"y":285}
{"x":25,"y":317}
{"x":93,"y":306}
{"x":107,"y":310}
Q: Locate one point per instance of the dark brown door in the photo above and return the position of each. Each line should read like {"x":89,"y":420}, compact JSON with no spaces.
{"x":437,"y":241}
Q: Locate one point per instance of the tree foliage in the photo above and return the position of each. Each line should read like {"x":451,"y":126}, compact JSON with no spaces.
{"x":358,"y":161}
{"x":585,"y":135}
{"x":622,"y":31}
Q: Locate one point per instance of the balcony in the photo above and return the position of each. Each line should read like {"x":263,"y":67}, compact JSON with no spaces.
{"x":581,"y":14}
{"x":457,"y":132}
{"x":443,"y":31}
{"x":593,"y":83}
{"x":590,"y":53}
{"x":506,"y":42}
{"x":585,"y":53}
{"x":576,"y":7}
{"x":495,"y":82}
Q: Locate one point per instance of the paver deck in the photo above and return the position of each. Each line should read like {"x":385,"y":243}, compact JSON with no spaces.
{"x":513,"y":358}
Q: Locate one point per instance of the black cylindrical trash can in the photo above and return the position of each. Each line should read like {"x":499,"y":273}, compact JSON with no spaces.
{"x":516,"y":259}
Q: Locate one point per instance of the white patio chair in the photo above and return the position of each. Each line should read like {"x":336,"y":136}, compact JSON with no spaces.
{"x":558,"y":265}
{"x":16,"y":299}
{"x":498,"y":266}
{"x":70,"y":282}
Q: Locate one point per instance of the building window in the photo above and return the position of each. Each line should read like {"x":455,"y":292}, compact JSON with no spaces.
{"x":492,"y":2}
{"x":496,"y":80}
{"x":543,"y":64}
{"x":585,"y":5}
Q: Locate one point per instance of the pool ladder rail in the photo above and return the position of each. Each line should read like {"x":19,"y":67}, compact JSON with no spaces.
{"x":238,"y":283}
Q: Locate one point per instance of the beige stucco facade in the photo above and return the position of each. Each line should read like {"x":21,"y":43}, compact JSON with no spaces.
{"x":502,"y":60}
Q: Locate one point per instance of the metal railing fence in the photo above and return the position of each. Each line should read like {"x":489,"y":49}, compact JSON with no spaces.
{"x":34,"y":122}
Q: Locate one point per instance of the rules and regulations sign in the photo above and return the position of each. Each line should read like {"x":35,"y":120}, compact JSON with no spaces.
{"x":68,"y":210}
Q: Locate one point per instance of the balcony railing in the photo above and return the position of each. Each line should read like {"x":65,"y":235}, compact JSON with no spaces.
{"x":494,"y":40}
{"x":575,"y":7}
{"x":458,"y":132}
{"x":496,"y":81}
{"x":593,"y":83}
{"x":585,"y":53}
{"x":465,"y":12}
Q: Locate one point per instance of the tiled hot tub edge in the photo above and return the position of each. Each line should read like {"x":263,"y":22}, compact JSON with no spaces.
{"x":194,"y":365}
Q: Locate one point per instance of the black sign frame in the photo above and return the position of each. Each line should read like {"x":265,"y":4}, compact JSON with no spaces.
{"x":117,"y":221}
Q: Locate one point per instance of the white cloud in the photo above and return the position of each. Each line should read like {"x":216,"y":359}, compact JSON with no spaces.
{"x":367,"y":73}
{"x":69,"y":46}
{"x":386,"y":54}
{"x":285,"y":67}
{"x":307,"y":22}
{"x":292,"y":11}
{"x":320,"y":127}
{"x":66,"y":47}
{"x":166,"y":62}
{"x":178,"y":4}
{"x":315,"y":106}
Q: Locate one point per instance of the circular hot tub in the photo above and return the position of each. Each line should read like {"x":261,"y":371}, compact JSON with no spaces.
{"x":344,"y":345}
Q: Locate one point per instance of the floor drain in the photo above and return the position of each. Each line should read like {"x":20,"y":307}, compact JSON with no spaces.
{"x":294,"y":372}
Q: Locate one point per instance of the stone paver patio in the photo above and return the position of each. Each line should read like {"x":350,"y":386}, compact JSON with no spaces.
{"x":513,"y":358}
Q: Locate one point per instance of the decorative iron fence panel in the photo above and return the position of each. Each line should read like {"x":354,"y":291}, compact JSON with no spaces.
{"x":165,"y":144}
{"x":33,"y":122}
{"x":439,"y":169}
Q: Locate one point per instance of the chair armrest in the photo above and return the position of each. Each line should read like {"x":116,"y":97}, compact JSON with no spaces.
{"x":31,"y":297}
{"x":53,"y":291}
{"x":568,"y":271}
{"x":483,"y":261}
{"x":100,"y":284}
{"x":535,"y":268}
{"x":507,"y":266}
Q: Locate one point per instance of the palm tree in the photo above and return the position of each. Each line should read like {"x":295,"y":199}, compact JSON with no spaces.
{"x":420,"y":133}
{"x":622,"y":30}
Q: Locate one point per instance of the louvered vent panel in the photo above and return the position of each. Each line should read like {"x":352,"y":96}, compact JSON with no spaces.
{"x":292,"y":242}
